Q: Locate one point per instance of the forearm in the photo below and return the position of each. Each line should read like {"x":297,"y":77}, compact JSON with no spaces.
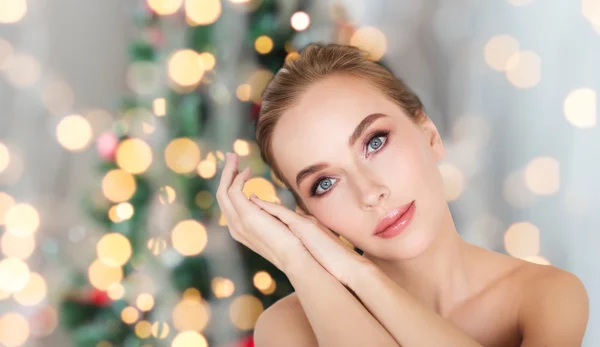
{"x":408,"y":321}
{"x":335,"y":315}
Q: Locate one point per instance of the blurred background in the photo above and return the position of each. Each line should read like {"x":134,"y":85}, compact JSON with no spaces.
{"x":115,"y":117}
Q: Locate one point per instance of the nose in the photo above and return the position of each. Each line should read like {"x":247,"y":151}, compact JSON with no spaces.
{"x":372,"y":191}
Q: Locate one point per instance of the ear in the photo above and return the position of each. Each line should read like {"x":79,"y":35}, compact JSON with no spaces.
{"x":432,"y":135}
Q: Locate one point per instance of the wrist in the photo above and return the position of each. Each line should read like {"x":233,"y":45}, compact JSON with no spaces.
{"x":362,"y":273}
{"x":295,"y":259}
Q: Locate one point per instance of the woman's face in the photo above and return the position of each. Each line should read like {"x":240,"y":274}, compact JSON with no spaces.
{"x":391,"y":164}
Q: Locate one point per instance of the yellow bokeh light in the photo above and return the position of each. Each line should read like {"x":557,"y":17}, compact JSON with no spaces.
{"x":112,"y":214}
{"x":74,"y":133}
{"x":104,"y":344}
{"x":292,"y":56}
{"x":115,"y":291}
{"x":243,"y":92}
{"x":102,"y":275}
{"x":454,"y":181}
{"x":118,"y":185}
{"x":300,"y":21}
{"x":14,"y":275}
{"x":159,"y":106}
{"x":498,"y":50}
{"x":192,"y":294}
{"x":124,"y":211}
{"x":258,"y":81}
{"x":262,"y":280}
{"x":203,"y":12}
{"x":244,"y":311}
{"x":523,"y":69}
{"x":263,"y":44}
{"x":130,"y":315}
{"x":371,"y":40}
{"x":134,"y":156}
{"x":160,"y":330}
{"x":184,"y":68}
{"x":522,"y":240}
{"x":241,"y":147}
{"x":204,"y":199}
{"x":14,"y":329}
{"x":4,"y":157}
{"x":262,"y":188}
{"x":189,"y":237}
{"x":182,"y":155}
{"x":580,"y":107}
{"x":166,"y":195}
{"x":188,"y":339}
{"x":17,"y":246}
{"x":34,"y":292}
{"x":114,"y":249}
{"x":143,"y":329}
{"x":6,"y":202}
{"x":222,"y":287}
{"x":542,"y":175}
{"x":207,"y":60}
{"x":191,"y":314}
{"x":207,"y":169}
{"x":22,"y":220}
{"x":164,"y":7}
{"x":12,"y":11}
{"x":144,"y":302}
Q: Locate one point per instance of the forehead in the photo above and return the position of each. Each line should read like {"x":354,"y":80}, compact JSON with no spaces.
{"x":317,"y":128}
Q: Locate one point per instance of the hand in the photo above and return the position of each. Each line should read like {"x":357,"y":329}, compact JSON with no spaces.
{"x":248,"y":224}
{"x":340,"y":261}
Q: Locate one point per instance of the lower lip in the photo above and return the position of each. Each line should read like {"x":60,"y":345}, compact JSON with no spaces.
{"x":401,"y":224}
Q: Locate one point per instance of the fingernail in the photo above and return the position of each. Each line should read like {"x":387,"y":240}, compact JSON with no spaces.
{"x":252,"y":196}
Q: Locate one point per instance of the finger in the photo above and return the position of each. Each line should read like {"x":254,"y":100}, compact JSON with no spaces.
{"x":286,"y":215}
{"x":228,"y":174}
{"x":240,"y":203}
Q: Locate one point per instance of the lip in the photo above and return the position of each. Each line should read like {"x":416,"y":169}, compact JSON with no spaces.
{"x":395,"y":221}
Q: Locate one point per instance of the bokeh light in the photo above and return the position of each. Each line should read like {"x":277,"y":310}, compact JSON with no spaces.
{"x":244,"y":311}
{"x":498,"y":50}
{"x":74,"y":133}
{"x":522,"y":240}
{"x":102,"y":275}
{"x":188,"y":339}
{"x":191,"y":314}
{"x":371,"y":40}
{"x":14,"y":328}
{"x":114,"y":249}
{"x":159,"y":106}
{"x":243,"y":92}
{"x":184,"y":68}
{"x":189,"y":237}
{"x":263,"y":44}
{"x":262,"y":280}
{"x":160,"y":330}
{"x":262,"y":188}
{"x":34,"y":291}
{"x":130,"y":315}
{"x":22,"y":220}
{"x":6,"y":202}
{"x":17,"y":246}
{"x":207,"y":168}
{"x":203,"y":12}
{"x":12,"y":11}
{"x":143,"y":329}
{"x":537,"y":260}
{"x":542,"y":175}
{"x":204,"y":199}
{"x":580,"y":107}
{"x":134,"y":156}
{"x":165,"y":7}
{"x":4,"y":157}
{"x":182,"y":155}
{"x":14,"y":275}
{"x":222,"y":287}
{"x":300,"y":21}
{"x":523,"y":69}
{"x":258,"y":81}
{"x":118,"y":185}
{"x":22,"y":70}
{"x":115,"y":291}
{"x":241,"y":147}
{"x":207,"y":60}
{"x":144,"y":302}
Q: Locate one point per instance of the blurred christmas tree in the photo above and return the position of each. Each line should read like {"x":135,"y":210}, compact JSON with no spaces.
{"x":167,"y":271}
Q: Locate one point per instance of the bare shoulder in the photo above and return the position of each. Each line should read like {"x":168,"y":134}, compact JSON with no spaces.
{"x":284,"y":324}
{"x":555,"y":307}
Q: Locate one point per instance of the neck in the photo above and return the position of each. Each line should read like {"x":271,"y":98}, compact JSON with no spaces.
{"x":438,"y":277}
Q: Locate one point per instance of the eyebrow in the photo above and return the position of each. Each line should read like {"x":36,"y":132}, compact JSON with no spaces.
{"x":360,"y":128}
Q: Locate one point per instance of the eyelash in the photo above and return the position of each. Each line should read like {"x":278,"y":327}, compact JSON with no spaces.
{"x":377,"y":134}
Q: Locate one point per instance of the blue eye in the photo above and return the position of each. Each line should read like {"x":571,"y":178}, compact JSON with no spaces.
{"x":323,"y":184}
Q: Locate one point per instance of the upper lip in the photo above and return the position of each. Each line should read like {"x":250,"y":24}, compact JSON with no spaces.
{"x":391,"y":217}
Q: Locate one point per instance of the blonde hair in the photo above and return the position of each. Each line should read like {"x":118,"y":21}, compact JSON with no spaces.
{"x":316,"y":62}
